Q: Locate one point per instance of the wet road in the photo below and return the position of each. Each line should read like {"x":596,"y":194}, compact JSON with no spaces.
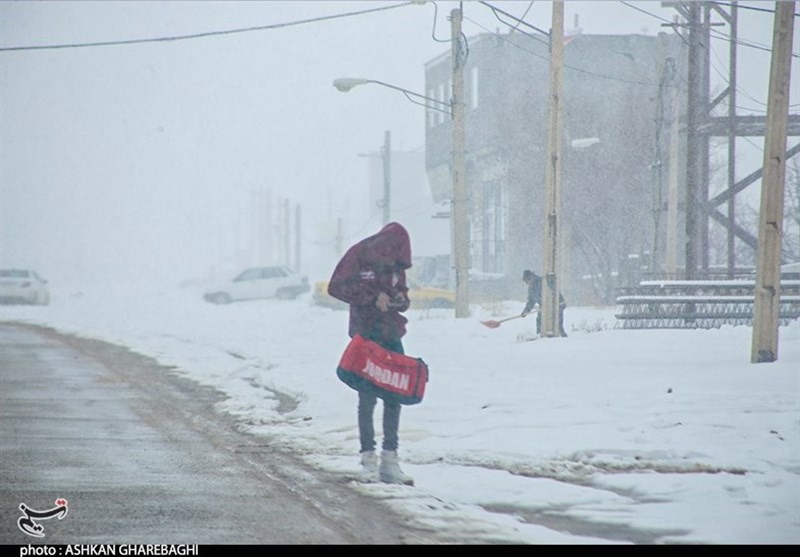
{"x":141,"y":457}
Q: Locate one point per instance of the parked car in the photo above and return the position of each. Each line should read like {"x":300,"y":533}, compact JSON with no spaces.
{"x":256,"y":283}
{"x":421,"y":296}
{"x":23,"y":286}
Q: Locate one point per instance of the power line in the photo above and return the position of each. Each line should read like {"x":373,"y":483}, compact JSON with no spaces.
{"x":645,"y":11}
{"x":508,"y":40}
{"x":741,"y":42}
{"x":518,"y":20}
{"x":435,"y":18}
{"x":202,"y":35}
{"x":717,"y":34}
{"x":744,"y":7}
{"x":522,"y":17}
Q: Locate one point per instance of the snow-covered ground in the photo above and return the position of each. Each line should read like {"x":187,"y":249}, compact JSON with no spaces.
{"x":607,"y":436}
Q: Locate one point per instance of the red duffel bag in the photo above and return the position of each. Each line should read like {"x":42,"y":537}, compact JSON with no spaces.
{"x":366,"y":365}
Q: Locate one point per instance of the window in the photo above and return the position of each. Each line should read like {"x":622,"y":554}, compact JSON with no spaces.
{"x":274,"y":272}
{"x":249,"y":274}
{"x":432,"y":112}
{"x":13,"y":273}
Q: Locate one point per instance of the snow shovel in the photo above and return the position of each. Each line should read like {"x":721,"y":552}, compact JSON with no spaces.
{"x":493,"y":324}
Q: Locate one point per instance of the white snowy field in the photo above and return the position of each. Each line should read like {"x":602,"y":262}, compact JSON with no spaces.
{"x":607,"y":436}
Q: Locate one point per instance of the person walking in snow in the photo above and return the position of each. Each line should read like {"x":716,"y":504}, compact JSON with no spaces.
{"x":371,"y":279}
{"x":534,"y":283}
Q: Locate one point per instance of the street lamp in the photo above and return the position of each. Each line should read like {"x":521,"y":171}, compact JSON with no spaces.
{"x":344,"y":84}
{"x":460,"y":231}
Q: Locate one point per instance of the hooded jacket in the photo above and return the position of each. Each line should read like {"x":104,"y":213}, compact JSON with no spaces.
{"x":375,"y":264}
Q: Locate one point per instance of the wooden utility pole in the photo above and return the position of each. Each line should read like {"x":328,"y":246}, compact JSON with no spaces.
{"x":768,"y":270}
{"x":460,"y":197}
{"x":387,"y":177}
{"x":551,"y":319}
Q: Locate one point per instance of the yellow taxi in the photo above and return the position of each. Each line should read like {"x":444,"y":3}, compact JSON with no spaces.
{"x":421,"y":296}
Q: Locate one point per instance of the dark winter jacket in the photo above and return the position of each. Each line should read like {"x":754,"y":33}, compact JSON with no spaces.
{"x":535,"y":294}
{"x":374,"y":265}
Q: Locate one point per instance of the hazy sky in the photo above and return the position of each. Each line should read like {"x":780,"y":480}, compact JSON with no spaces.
{"x":143,"y":160}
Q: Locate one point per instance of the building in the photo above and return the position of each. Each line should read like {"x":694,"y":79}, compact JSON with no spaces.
{"x":618,"y":94}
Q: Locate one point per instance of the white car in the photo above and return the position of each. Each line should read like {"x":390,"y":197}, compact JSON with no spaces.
{"x":256,"y":283}
{"x":23,"y":286}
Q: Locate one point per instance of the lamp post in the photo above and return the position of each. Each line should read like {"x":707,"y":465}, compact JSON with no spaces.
{"x":460,"y":223}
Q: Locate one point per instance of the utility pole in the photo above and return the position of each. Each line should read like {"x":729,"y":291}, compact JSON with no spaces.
{"x":731,"y":243}
{"x":693,"y":114}
{"x":704,"y":141}
{"x":460,"y":197}
{"x":337,"y":245}
{"x":658,"y":163}
{"x":551,"y":318}
{"x":287,"y":257}
{"x":297,"y":238}
{"x":766,"y":304}
{"x":387,"y":177}
{"x":268,"y":228}
{"x":672,"y":195}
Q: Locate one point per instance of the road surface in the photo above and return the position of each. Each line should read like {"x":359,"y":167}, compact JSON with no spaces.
{"x":141,"y":457}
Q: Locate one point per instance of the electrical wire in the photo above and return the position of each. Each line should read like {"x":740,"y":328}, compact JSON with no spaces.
{"x":496,"y":10}
{"x":718,"y":34}
{"x":435,"y":19}
{"x":638,"y":9}
{"x":522,"y":17}
{"x":205,"y":34}
{"x":566,"y":66}
{"x":744,"y":7}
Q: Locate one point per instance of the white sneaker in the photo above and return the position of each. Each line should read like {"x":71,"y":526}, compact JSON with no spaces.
{"x":369,"y":467}
{"x":390,"y":471}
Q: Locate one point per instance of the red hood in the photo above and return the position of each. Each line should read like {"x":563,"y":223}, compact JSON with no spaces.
{"x":391,"y":246}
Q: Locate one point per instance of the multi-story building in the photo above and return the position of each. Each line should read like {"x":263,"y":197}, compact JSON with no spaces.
{"x":617,"y":99}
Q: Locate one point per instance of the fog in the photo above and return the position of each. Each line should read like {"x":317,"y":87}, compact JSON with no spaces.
{"x":145,"y":160}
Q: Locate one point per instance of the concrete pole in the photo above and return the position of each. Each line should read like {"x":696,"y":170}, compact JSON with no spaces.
{"x":768,"y":270}
{"x":550,"y":323}
{"x":703,"y":141}
{"x":693,"y":170}
{"x":460,"y":197}
{"x":731,"y":244}
{"x":387,"y":177}
{"x":337,"y":245}
{"x":269,"y":229}
{"x":287,"y":255}
{"x":672,"y":195}
{"x":298,"y":265}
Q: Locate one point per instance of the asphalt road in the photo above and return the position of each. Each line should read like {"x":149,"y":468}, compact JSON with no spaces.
{"x":141,"y":457}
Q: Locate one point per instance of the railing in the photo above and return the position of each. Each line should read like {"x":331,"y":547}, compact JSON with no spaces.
{"x":700,"y":304}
